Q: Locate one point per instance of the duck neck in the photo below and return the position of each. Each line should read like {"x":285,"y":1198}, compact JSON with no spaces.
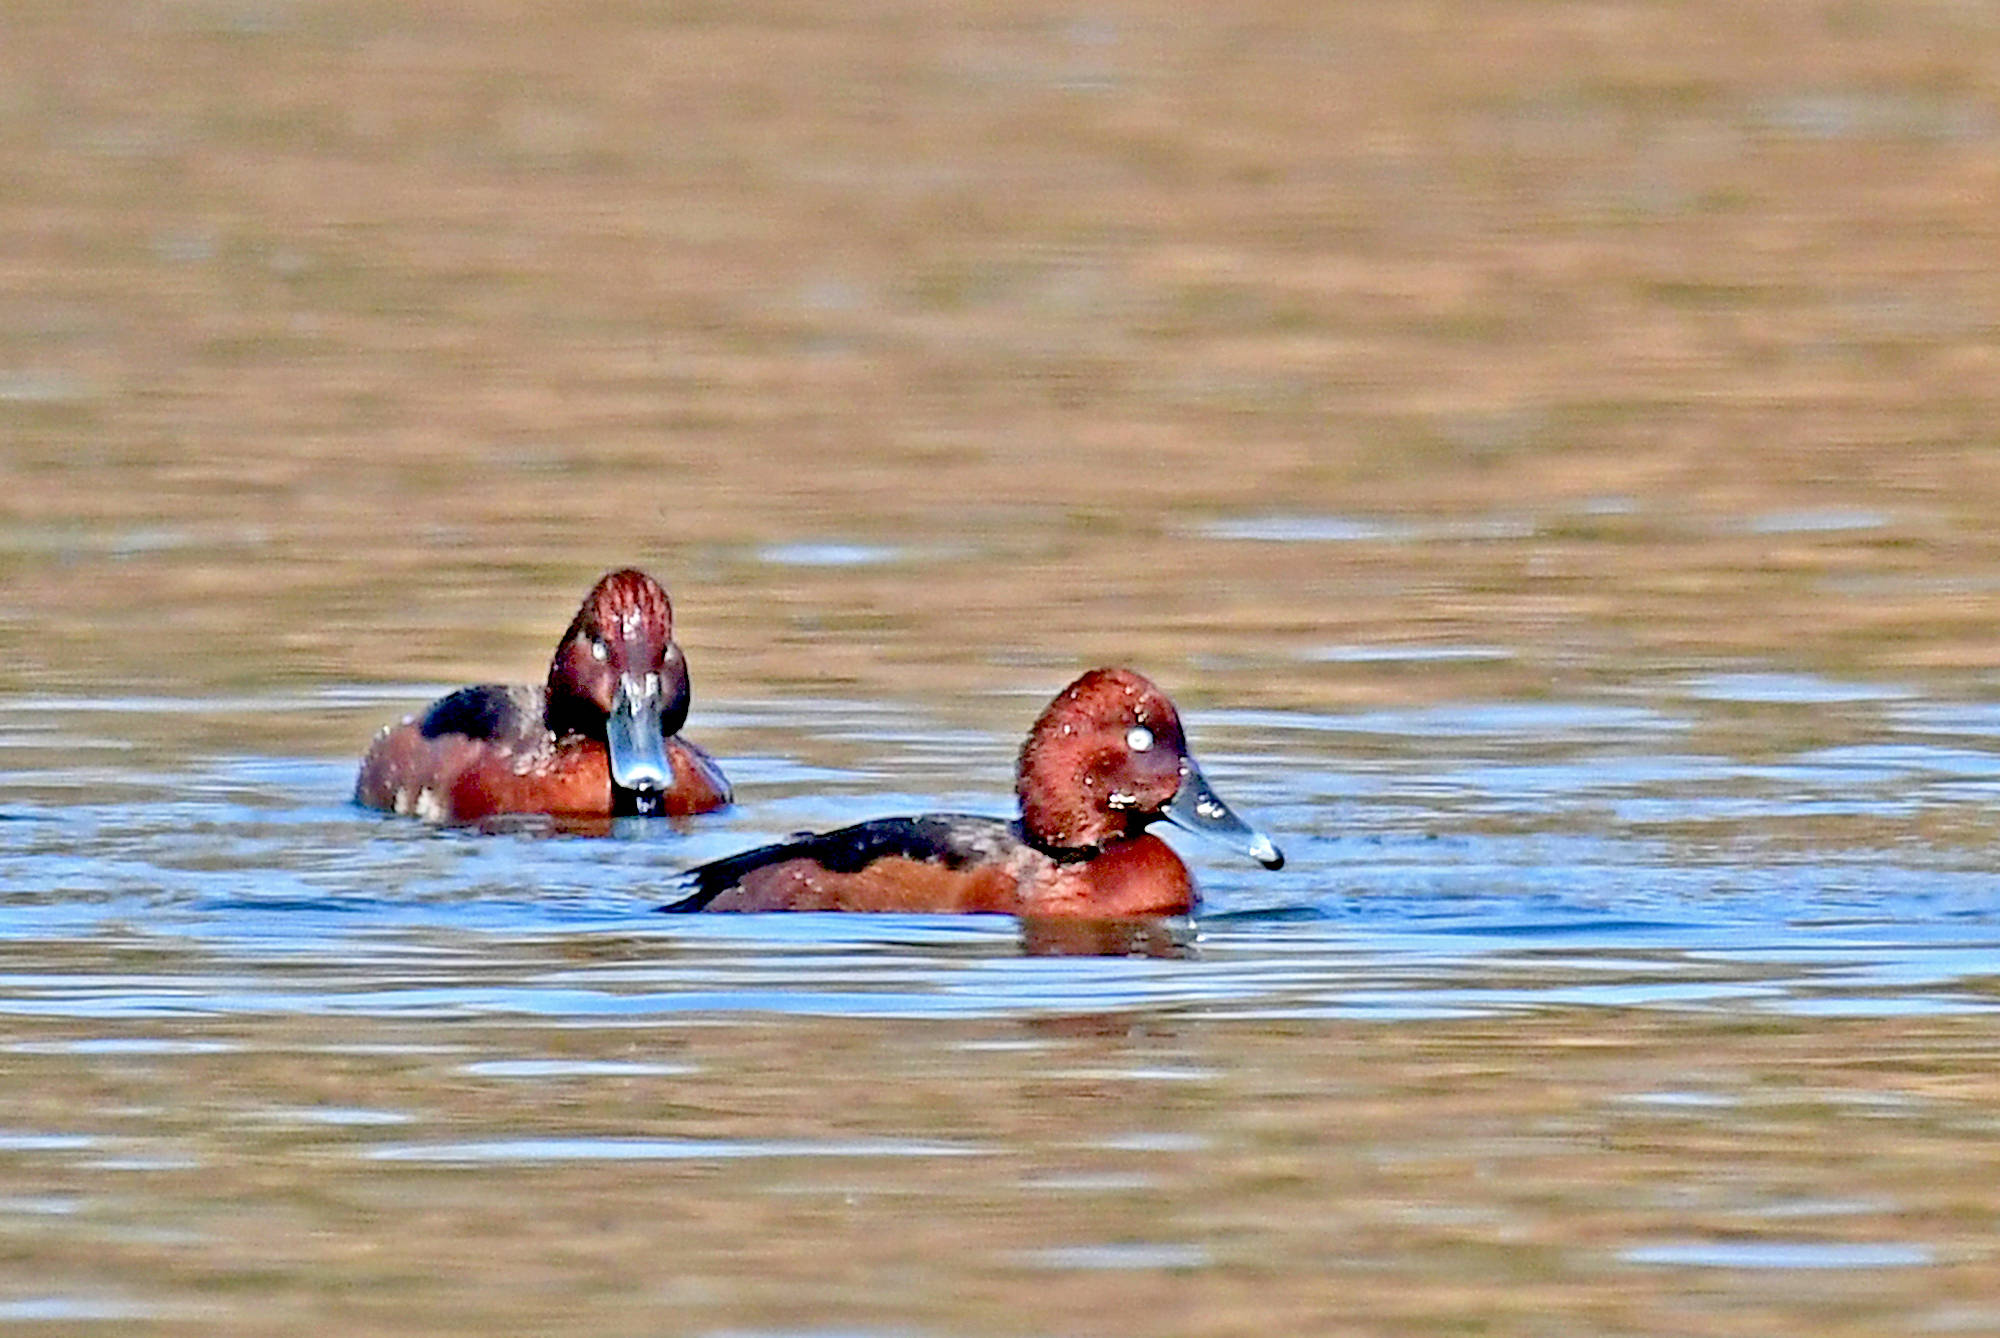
{"x":1082,"y":852}
{"x":566,"y":713}
{"x":1070,"y":854}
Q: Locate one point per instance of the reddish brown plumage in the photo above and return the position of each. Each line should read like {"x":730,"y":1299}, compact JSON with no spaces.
{"x":1106,"y":758}
{"x":628,"y":614}
{"x":1076,"y":758}
{"x":470,"y":779}
{"x":489,"y":750}
{"x":1129,"y":878}
{"x":890,"y":883}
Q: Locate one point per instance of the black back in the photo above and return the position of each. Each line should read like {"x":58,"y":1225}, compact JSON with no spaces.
{"x":483,"y":712}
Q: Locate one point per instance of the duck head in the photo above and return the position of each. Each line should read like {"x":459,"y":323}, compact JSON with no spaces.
{"x":618,"y":677}
{"x":1106,"y":759}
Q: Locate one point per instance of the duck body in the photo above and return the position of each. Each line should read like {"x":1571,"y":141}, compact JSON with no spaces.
{"x":599,"y":739}
{"x":1104,"y":760}
{"x":953,"y":863}
{"x":485,"y":751}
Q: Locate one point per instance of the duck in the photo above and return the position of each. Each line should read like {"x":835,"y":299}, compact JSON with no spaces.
{"x":1104,"y":761}
{"x":600,"y":738}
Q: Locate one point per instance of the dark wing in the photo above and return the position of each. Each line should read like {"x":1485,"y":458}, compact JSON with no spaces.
{"x":951,"y":839}
{"x":485,"y":712}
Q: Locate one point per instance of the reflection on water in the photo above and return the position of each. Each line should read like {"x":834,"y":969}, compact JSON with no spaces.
{"x":1780,"y":1255}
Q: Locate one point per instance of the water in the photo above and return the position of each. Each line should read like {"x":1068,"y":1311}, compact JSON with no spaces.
{"x":1545,"y":451}
{"x":1553,"y":1011}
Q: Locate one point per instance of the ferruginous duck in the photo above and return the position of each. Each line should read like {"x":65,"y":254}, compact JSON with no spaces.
{"x":1104,"y":761}
{"x":601,"y":738}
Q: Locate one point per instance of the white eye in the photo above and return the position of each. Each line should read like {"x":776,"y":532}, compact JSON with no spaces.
{"x":1138,"y":738}
{"x":598,"y":650}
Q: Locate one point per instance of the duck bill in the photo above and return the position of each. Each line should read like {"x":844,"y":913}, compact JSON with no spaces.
{"x":1198,"y":809}
{"x":633,"y":734}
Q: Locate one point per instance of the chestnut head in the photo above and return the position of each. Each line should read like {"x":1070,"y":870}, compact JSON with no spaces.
{"x":617,"y":676}
{"x":1107,"y":758}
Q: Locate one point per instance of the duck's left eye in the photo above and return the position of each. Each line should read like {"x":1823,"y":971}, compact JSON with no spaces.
{"x":598,"y":650}
{"x":1138,"y":738}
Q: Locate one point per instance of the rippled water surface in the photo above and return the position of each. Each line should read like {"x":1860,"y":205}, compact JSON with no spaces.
{"x":1555,"y":1008}
{"x":1547,"y":452}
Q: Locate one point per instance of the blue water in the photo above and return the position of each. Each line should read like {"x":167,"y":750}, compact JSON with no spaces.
{"x":1450,"y":860}
{"x":1687,"y":985}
